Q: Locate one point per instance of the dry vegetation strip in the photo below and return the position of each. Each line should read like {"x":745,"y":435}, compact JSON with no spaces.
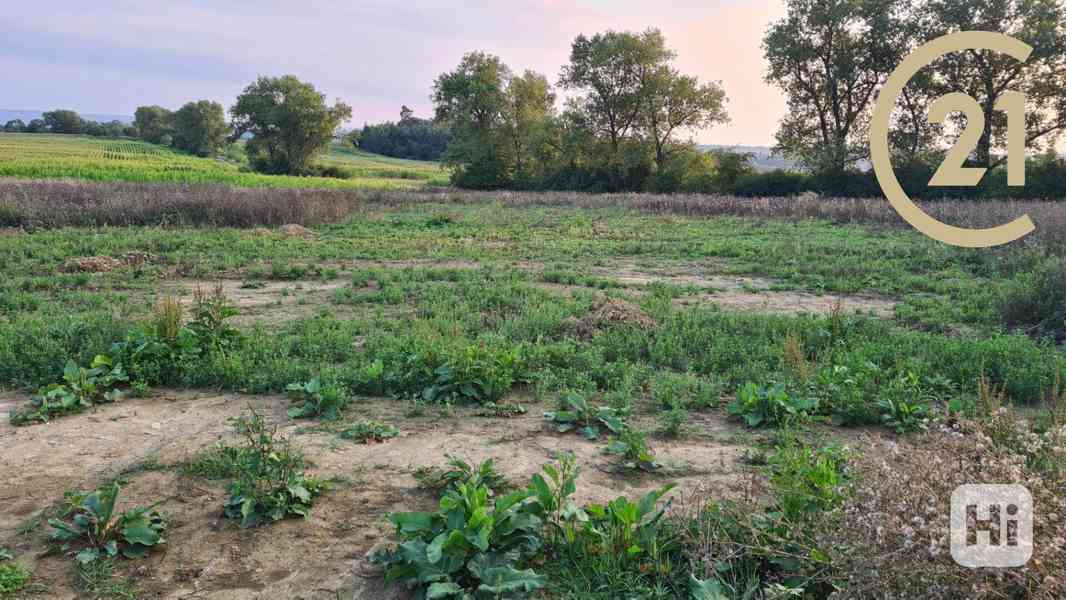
{"x":69,"y":203}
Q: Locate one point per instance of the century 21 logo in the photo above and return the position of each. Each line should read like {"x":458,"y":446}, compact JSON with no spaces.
{"x":952,"y":172}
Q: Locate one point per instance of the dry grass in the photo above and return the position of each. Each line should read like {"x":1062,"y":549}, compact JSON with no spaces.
{"x":26,"y":203}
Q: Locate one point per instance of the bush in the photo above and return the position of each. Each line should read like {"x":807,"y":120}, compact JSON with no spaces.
{"x":270,"y":484}
{"x":773,"y":183}
{"x":1037,"y":306}
{"x":104,"y":533}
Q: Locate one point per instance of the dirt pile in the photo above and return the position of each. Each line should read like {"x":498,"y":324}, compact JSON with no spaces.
{"x":609,"y":313}
{"x":105,"y":264}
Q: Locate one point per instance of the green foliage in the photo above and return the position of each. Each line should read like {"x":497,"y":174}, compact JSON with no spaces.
{"x":411,"y":137}
{"x":1037,"y":304}
{"x":200,"y":128}
{"x":82,"y":388}
{"x":904,"y":406}
{"x":475,"y":373}
{"x":760,"y":406}
{"x":289,"y":121}
{"x":575,"y":413}
{"x":807,"y":481}
{"x":269,"y":483}
{"x":632,"y":448}
{"x":312,"y":399}
{"x":153,"y":123}
{"x":470,"y":547}
{"x":370,"y":432}
{"x":13,"y":576}
{"x":456,"y":471}
{"x":102,"y":532}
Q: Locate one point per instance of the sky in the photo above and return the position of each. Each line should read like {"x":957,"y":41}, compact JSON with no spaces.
{"x":111,"y":56}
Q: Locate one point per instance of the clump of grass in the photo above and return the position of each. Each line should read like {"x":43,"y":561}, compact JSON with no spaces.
{"x":1038,"y":306}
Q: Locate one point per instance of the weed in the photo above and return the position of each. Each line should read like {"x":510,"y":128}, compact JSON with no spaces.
{"x":760,"y":406}
{"x":369,"y":432}
{"x":576,"y":413}
{"x":632,"y":448}
{"x":312,"y":399}
{"x":457,"y":470}
{"x":501,"y":411}
{"x":82,"y":388}
{"x":13,"y":578}
{"x":102,"y":532}
{"x":269,"y":484}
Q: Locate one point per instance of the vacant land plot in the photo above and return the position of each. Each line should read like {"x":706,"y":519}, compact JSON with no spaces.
{"x":42,"y":156}
{"x":791,"y":377}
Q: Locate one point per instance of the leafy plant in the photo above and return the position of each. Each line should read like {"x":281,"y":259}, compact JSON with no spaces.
{"x":904,"y":407}
{"x":457,"y":471}
{"x":476,"y":373}
{"x":82,"y":388}
{"x":106,"y":533}
{"x":501,"y":411}
{"x":13,"y":578}
{"x":469,"y":548}
{"x":312,"y":399}
{"x":759,"y":406}
{"x":576,"y":413}
{"x":633,"y":449}
{"x":370,"y":432}
{"x":270,"y":483}
{"x":633,"y":530}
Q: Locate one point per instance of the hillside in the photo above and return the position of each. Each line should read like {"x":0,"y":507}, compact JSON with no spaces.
{"x":45,"y":156}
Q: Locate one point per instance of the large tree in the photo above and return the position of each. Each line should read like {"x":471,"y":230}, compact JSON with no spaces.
{"x":471,"y":101}
{"x":529,"y":125}
{"x":986,"y":76}
{"x":830,"y":57}
{"x":153,"y":123}
{"x":613,"y":70}
{"x":674,"y":102}
{"x":200,"y":128}
{"x":289,"y":121}
{"x":63,"y":121}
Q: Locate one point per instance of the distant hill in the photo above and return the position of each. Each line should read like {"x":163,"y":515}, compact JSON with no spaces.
{"x":765,"y":159}
{"x":29,"y":115}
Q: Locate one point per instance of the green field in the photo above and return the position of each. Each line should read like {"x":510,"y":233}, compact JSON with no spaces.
{"x":46,"y":156}
{"x":793,"y":376}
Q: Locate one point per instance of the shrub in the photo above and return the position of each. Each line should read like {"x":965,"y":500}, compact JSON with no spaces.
{"x":82,"y":388}
{"x":576,"y":413}
{"x":468,"y":548}
{"x":103,"y":532}
{"x":312,"y":399}
{"x":1038,"y":306}
{"x":370,"y":432}
{"x":270,"y":483}
{"x":760,"y":406}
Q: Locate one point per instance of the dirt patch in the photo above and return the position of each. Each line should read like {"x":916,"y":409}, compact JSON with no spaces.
{"x":607,"y":313}
{"x":105,"y":264}
{"x":792,"y":303}
{"x":323,"y":557}
{"x":267,"y":301}
{"x":293,"y":230}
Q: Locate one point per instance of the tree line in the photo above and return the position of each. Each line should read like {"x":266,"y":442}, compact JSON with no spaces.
{"x":285,"y":124}
{"x":621,"y":129}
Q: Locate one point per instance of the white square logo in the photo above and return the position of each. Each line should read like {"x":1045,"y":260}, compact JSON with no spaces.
{"x":991,"y":526}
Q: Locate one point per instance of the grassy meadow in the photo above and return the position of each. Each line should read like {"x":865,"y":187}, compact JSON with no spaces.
{"x":47,"y":156}
{"x":782,"y":370}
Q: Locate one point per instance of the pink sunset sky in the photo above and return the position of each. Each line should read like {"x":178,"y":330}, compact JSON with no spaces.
{"x":112,"y":56}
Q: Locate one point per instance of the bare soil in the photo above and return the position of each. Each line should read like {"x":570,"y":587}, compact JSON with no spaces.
{"x":144,"y":440}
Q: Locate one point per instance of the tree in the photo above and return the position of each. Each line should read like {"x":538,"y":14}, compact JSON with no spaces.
{"x":63,"y":121}
{"x":471,"y":101}
{"x":674,"y":101}
{"x":153,"y":123}
{"x":37,"y":126}
{"x":986,"y":76}
{"x":200,"y":128}
{"x":15,"y":126}
{"x":830,"y":57}
{"x":528,"y":125}
{"x":289,"y":121}
{"x":613,"y":69}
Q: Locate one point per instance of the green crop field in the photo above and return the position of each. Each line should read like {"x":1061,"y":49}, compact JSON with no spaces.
{"x":44,"y":156}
